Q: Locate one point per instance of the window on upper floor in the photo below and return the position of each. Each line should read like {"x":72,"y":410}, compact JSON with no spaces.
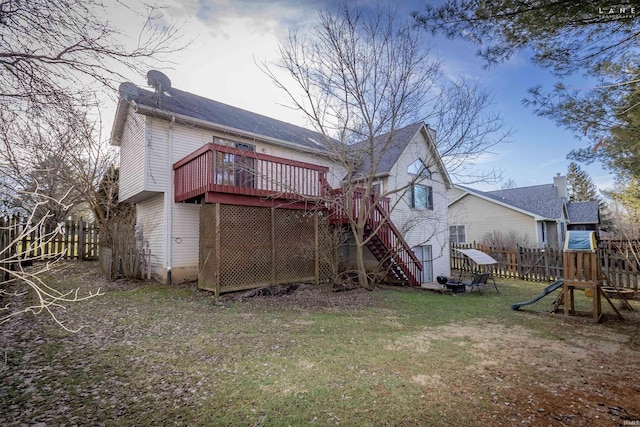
{"x":419,"y":168}
{"x":421,"y":197}
{"x":457,"y":234}
{"x":234,"y":169}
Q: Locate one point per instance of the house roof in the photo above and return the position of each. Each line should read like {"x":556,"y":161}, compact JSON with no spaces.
{"x":388,"y":148}
{"x":171,"y":101}
{"x":584,"y":212}
{"x":166,"y":101}
{"x":540,"y":201}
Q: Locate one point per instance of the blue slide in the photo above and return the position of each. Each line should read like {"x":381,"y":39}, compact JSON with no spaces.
{"x":552,"y":287}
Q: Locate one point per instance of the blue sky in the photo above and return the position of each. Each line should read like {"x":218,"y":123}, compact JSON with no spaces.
{"x":230,"y":35}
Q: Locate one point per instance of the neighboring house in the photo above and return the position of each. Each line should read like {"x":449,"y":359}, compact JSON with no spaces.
{"x":233,"y":198}
{"x":541,"y":213}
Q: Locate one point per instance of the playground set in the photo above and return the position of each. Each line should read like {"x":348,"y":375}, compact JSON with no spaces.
{"x":581,"y":272}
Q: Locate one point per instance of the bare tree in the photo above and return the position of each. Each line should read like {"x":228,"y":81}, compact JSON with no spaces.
{"x":359,"y":78}
{"x":58,"y":62}
{"x":24,"y":290}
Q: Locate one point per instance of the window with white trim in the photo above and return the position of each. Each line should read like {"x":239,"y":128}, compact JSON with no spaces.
{"x":457,"y":234}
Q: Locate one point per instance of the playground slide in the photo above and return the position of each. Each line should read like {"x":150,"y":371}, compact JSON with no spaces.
{"x":552,"y":287}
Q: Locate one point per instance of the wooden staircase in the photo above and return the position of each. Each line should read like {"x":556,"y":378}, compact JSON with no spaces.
{"x":385,"y":240}
{"x":216,"y":173}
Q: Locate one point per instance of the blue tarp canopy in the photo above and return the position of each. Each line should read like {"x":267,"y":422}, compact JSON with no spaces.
{"x":580,"y":241}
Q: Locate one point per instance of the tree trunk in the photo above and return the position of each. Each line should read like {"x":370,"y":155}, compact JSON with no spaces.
{"x":363,"y":279}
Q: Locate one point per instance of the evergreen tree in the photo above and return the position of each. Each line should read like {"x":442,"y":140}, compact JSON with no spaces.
{"x":580,"y":186}
{"x":627,"y":198}
{"x":569,"y":37}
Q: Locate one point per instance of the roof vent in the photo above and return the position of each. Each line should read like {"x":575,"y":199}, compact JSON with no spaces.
{"x":159,"y":81}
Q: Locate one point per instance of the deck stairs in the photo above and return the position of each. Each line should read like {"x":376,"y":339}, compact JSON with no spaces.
{"x":385,"y":242}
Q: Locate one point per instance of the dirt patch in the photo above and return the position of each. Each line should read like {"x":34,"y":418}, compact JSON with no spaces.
{"x":304,"y":296}
{"x":589,"y":377}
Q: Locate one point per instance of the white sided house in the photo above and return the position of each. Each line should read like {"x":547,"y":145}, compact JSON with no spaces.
{"x":237,"y":200}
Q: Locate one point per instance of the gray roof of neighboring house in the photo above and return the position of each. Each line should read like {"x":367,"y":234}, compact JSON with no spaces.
{"x":541,"y":200}
{"x":187,"y":104}
{"x":583,"y":212}
{"x":399,"y":141}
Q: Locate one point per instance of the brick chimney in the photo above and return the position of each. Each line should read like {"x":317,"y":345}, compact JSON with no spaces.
{"x":560,"y":182}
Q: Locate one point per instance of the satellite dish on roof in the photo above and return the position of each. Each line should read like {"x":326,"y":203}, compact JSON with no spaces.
{"x":128,"y":91}
{"x":159,"y":81}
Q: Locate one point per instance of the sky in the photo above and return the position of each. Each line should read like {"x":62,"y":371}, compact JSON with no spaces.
{"x":229,"y":37}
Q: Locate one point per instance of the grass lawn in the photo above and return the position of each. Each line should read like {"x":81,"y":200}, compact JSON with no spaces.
{"x":157,"y":355}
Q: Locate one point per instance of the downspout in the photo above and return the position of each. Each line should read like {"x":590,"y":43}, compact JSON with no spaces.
{"x":168,"y":202}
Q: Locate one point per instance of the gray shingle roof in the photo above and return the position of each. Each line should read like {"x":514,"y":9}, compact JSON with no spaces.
{"x":387,"y":158}
{"x":541,"y":200}
{"x":198,"y":107}
{"x":583,"y":212}
{"x":174,"y":101}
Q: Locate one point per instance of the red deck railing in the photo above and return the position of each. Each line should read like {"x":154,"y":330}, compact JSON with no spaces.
{"x":215,"y":170}
{"x":379,"y":223}
{"x":221,"y":169}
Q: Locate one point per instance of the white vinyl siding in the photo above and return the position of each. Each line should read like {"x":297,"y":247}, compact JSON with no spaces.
{"x":185,"y":235}
{"x":132,"y":155}
{"x":157,"y":135}
{"x":421,"y":226}
{"x":150,"y":220}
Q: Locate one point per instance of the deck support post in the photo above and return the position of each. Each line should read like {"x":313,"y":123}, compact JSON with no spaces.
{"x":273,"y":246}
{"x":317,"y":247}
{"x":218,"y":254}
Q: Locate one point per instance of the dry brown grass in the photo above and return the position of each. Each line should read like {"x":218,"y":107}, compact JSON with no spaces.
{"x":151,"y":354}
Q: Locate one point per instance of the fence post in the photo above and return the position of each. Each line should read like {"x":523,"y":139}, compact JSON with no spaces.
{"x":4,"y":243}
{"x":82,"y":238}
{"x":547,"y":274}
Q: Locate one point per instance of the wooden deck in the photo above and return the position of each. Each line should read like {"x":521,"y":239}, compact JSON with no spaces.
{"x":221,"y":174}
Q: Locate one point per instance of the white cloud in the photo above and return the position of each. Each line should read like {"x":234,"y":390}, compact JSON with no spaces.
{"x":228,"y":39}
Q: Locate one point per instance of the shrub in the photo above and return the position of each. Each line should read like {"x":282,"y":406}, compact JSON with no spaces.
{"x":506,"y":239}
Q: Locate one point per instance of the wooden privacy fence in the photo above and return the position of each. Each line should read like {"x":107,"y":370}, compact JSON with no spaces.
{"x":68,"y":239}
{"x":132,"y":263}
{"x":619,"y":262}
{"x":20,"y":241}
